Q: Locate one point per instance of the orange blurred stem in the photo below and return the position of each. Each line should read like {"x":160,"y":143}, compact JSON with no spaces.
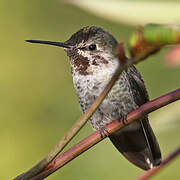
{"x":95,"y":137}
{"x":150,"y":38}
{"x":165,"y":162}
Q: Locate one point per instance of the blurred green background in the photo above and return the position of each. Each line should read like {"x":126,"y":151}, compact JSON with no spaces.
{"x":38,"y":103}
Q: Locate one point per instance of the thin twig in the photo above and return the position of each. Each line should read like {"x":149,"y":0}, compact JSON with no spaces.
{"x":94,"y":138}
{"x":81,"y":122}
{"x":165,"y":162}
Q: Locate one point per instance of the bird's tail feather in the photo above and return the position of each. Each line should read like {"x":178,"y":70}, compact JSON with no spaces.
{"x":138,"y":145}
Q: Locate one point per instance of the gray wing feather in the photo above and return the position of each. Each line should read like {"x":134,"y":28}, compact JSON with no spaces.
{"x":139,"y":145}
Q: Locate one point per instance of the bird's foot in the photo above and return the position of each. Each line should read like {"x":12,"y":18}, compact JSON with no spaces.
{"x":123,"y":119}
{"x":104,"y":132}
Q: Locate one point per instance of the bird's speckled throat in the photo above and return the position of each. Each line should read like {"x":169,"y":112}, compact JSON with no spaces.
{"x":84,"y":60}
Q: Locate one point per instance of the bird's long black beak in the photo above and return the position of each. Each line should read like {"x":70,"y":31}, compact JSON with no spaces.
{"x":60,"y":44}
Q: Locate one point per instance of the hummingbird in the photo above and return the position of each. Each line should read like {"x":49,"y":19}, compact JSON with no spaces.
{"x":93,"y":58}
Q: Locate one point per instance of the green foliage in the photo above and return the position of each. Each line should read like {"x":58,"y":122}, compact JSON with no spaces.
{"x":133,"y":12}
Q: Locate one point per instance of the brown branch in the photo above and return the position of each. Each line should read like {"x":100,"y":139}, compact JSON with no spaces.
{"x":124,"y":63}
{"x":94,"y":138}
{"x":165,"y":162}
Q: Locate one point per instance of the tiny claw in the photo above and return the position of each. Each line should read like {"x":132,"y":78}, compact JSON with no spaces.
{"x":104,"y":132}
{"x":123,"y":119}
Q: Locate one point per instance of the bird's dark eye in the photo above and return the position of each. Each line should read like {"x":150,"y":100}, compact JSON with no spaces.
{"x":92,"y":47}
